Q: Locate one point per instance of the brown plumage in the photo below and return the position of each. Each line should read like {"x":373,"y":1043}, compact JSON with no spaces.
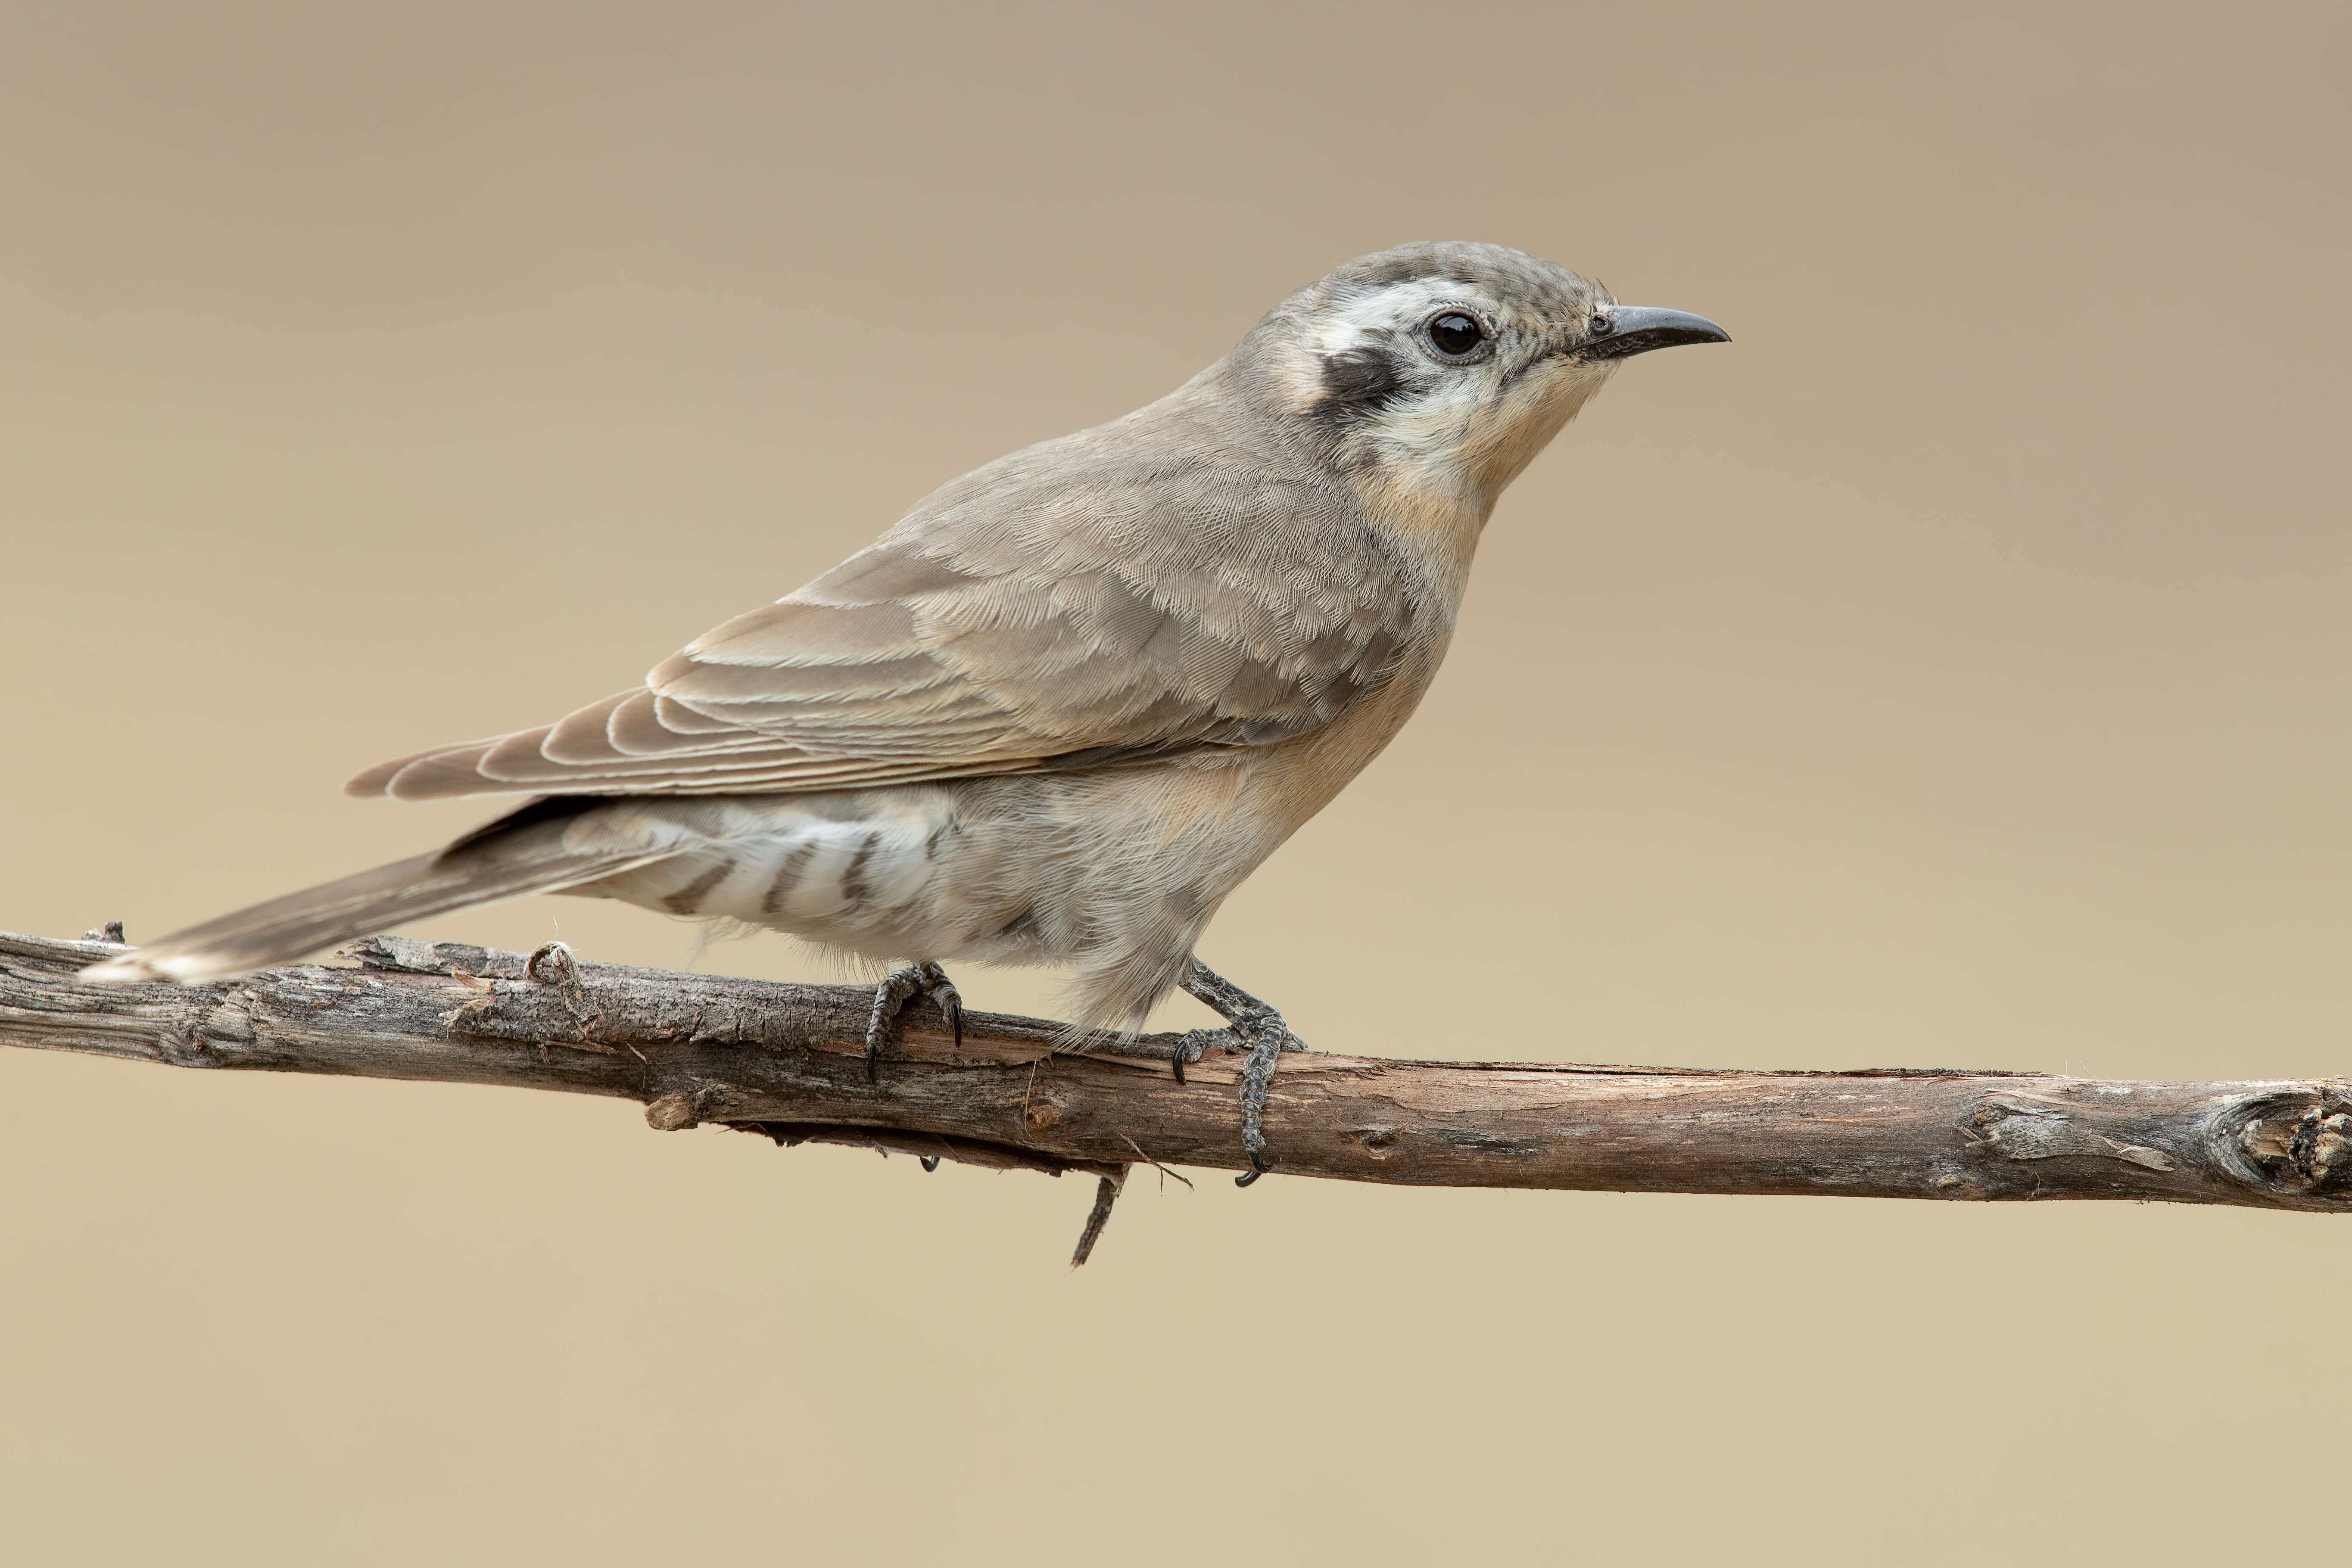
{"x":1062,"y":709}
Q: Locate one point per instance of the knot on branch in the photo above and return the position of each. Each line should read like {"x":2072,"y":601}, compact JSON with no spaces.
{"x":552,"y":964}
{"x":2296,"y":1141}
{"x":673,"y":1113}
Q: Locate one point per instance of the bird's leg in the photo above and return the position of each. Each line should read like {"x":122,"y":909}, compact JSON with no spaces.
{"x":1258,"y":1026}
{"x":891,"y":996}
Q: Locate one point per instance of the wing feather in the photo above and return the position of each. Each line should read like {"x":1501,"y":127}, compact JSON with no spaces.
{"x":680,"y":719}
{"x":1030,"y":622}
{"x":644,"y":726}
{"x":583,"y":735}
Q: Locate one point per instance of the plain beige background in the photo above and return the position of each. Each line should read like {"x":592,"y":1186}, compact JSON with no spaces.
{"x":1951,"y":671}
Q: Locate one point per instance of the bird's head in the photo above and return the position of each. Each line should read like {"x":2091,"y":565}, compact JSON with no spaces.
{"x":1433,"y":374}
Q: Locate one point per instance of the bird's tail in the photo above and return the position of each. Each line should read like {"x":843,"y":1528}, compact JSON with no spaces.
{"x":530,"y":852}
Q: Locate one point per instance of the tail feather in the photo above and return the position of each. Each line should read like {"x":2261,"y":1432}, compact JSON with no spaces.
{"x":531,"y":857}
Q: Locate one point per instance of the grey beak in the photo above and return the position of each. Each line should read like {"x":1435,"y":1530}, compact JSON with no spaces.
{"x":1638,"y":328}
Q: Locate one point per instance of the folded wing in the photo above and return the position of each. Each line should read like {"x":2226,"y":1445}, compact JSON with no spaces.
{"x":952,"y":650}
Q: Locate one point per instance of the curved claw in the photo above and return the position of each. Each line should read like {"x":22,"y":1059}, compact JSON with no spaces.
{"x":891,"y":996}
{"x":1192,"y":1048}
{"x":951,"y":1003}
{"x":1259,"y":1026}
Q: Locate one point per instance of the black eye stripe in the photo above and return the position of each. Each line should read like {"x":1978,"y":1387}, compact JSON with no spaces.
{"x":1356,"y":385}
{"x":1456,"y":333}
{"x":1362,"y":379}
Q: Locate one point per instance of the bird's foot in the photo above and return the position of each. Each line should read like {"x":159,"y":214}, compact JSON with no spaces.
{"x":890,"y":999}
{"x":1258,"y":1029}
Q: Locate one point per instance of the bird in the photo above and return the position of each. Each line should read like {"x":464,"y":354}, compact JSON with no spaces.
{"x":1068,"y":702}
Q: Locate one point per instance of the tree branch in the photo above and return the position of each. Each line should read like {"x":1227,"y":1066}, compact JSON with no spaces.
{"x":786,"y":1060}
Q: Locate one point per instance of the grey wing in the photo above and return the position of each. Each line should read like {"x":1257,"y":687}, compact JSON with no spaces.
{"x":1088,"y":632}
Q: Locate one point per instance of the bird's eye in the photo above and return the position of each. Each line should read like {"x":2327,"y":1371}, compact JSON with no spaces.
{"x":1456,"y":334}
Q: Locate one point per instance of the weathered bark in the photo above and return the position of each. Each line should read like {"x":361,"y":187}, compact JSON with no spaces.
{"x":786,"y":1060}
